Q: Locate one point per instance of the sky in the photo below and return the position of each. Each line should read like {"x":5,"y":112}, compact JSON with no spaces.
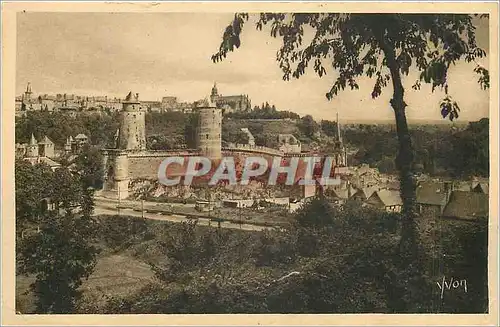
{"x":168,"y":54}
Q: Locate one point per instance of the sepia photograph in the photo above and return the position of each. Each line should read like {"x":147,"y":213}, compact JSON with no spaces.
{"x":242,"y":161}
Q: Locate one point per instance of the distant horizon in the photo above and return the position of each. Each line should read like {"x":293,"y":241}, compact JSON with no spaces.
{"x":168,"y":54}
{"x":430,"y":121}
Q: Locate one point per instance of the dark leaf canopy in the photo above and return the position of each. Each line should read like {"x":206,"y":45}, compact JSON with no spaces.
{"x":354,"y":45}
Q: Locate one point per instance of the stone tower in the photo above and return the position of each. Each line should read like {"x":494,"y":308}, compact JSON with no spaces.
{"x":209,"y":130}
{"x":46,"y":148}
{"x":32,"y":148}
{"x":131,"y":137}
{"x":132,"y":125}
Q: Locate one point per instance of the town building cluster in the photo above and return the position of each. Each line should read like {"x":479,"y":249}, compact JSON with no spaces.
{"x":44,"y":151}
{"x":130,"y":160}
{"x":72,"y":103}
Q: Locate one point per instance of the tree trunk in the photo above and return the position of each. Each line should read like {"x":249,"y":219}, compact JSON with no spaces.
{"x":404,"y":159}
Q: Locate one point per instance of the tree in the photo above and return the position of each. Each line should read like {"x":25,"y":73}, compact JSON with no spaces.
{"x":470,"y":154}
{"x":61,"y":254}
{"x":89,"y":165}
{"x":190,"y":130}
{"x":61,"y":257}
{"x":381,"y":46}
{"x":308,"y":126}
{"x":33,"y":185}
{"x":329,"y":127}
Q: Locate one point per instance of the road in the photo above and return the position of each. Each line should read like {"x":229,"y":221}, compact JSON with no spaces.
{"x":104,"y":206}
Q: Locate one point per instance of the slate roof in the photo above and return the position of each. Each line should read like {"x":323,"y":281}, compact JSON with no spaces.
{"x":467,"y":205}
{"x":431,"y":193}
{"x":341,"y":193}
{"x":45,"y":140}
{"x":462,"y":186}
{"x":393,"y":185}
{"x":482,"y":188}
{"x":389,"y":197}
{"x":363,"y":170}
{"x":366,"y":191}
{"x":81,"y":137}
{"x":44,"y":160}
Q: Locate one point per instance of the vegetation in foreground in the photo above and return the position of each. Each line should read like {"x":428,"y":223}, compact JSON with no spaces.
{"x":329,"y":261}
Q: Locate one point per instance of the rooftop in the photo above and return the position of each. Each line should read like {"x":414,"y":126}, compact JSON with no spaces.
{"x":467,"y":205}
{"x":431,"y":193}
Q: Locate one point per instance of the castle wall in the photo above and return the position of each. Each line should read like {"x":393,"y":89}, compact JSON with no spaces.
{"x":145,"y":165}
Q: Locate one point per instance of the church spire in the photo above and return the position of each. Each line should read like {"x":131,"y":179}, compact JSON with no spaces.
{"x":215,"y":92}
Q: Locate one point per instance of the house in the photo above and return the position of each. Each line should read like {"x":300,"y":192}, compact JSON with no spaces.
{"x":481,"y":188}
{"x":251,"y":139}
{"x":204,"y":206}
{"x":432,"y":197}
{"x":338,"y":195}
{"x":363,"y":194}
{"x":462,"y":186}
{"x":393,"y":185}
{"x":81,"y":139}
{"x":289,"y":144}
{"x":43,"y":160}
{"x":46,"y":147}
{"x":388,"y":200}
{"x":243,"y":203}
{"x":467,"y":205}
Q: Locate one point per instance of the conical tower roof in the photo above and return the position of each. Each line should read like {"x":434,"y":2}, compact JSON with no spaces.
{"x":33,"y":140}
{"x":206,"y":103}
{"x":132,"y":97}
{"x":46,"y":140}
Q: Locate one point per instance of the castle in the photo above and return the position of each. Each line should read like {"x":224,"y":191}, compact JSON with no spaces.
{"x":230,"y":102}
{"x":130,"y":159}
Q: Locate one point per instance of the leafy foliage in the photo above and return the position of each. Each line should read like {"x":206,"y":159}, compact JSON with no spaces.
{"x":470,"y":155}
{"x":329,"y":127}
{"x":308,"y":126}
{"x":32,"y":187}
{"x":265,"y":111}
{"x":383,"y":47}
{"x":58,"y":126}
{"x":351,"y":267}
{"x":234,"y":136}
{"x":89,"y":166}
{"x":60,"y":254}
{"x":366,"y":44}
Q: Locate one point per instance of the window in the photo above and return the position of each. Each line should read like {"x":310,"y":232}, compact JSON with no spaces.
{"x":207,"y":136}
